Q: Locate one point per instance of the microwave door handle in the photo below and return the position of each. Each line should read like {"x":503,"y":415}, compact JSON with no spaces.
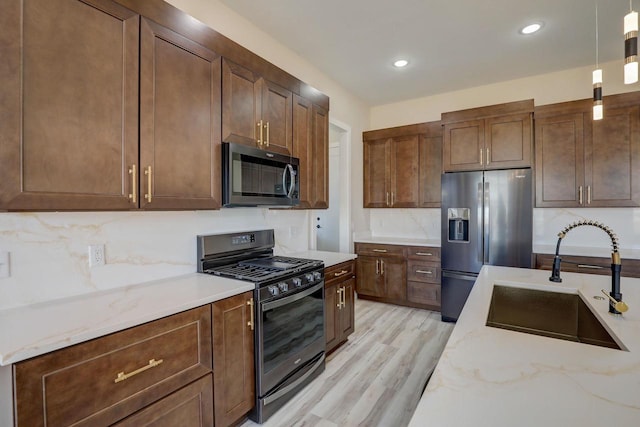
{"x":292,"y":173}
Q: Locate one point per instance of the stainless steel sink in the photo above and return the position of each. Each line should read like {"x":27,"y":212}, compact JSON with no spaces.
{"x":550,"y":314}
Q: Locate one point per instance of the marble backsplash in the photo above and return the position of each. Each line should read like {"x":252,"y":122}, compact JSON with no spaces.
{"x":425,"y":224}
{"x":49,"y":251}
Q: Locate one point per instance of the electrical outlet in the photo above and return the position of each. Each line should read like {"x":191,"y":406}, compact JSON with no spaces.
{"x":96,"y":255}
{"x":4,"y":264}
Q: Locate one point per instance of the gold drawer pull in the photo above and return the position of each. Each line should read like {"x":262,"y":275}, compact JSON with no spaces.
{"x":424,"y":253}
{"x":152,"y":364}
{"x":380,"y":250}
{"x":595,"y":267}
{"x":424,"y":272}
{"x":147,"y":172}
{"x":343,"y":272}
{"x":133,"y":196}
{"x":339,"y":292}
{"x":251,"y":322}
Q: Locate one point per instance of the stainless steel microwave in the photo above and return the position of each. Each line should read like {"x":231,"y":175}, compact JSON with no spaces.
{"x":254,"y":177}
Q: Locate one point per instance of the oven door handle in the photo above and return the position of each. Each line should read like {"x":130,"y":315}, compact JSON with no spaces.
{"x":296,"y":383}
{"x":287,"y":300}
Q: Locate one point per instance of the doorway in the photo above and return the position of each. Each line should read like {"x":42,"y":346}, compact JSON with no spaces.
{"x":332,"y":227}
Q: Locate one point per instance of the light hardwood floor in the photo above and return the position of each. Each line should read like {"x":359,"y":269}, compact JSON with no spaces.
{"x":377,"y":377}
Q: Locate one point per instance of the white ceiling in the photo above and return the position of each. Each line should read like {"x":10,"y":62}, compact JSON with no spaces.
{"x":450,"y":44}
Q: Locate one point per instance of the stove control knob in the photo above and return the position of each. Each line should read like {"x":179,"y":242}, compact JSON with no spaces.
{"x":283,"y":286}
{"x":273,"y":290}
{"x":317,"y":275}
{"x":309,"y":277}
{"x":297,"y":282}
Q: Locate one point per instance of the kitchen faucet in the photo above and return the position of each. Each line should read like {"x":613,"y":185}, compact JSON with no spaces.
{"x":615,"y":302}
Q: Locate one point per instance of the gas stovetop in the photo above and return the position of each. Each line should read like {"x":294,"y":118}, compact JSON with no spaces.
{"x":264,"y":269}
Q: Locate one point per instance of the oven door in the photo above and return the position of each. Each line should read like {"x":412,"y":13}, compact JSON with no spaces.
{"x":290,"y":333}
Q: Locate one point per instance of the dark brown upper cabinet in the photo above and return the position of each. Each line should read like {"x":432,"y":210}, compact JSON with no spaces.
{"x":68,"y":105}
{"x":255,"y":111}
{"x":494,"y":137}
{"x":586,"y":163}
{"x":71,"y":139}
{"x":402,"y":166}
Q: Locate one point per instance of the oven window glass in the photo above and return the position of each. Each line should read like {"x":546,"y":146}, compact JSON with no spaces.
{"x":291,"y":327}
{"x":253,"y":176}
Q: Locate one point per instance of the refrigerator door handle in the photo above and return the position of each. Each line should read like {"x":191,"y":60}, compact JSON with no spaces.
{"x":487,"y":222}
{"x":479,"y":216}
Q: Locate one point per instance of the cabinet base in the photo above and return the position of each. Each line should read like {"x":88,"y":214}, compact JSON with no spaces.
{"x":400,"y":302}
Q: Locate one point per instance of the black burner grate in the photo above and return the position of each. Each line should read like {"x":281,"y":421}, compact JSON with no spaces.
{"x":261,"y":269}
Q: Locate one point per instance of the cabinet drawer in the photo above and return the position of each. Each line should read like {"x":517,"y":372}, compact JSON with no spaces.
{"x":423,"y":293}
{"x":423,"y":272}
{"x":191,"y":406}
{"x":339,"y":272}
{"x":374,"y":249}
{"x":106,"y":379}
{"x":424,"y":253}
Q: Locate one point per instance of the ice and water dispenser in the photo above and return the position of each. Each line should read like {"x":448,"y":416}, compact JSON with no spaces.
{"x":458,"y":224}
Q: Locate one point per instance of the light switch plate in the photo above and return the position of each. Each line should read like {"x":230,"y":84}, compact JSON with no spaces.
{"x":5,"y":270}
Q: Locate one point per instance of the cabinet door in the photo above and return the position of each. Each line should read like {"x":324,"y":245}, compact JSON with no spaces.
{"x":240,"y":105}
{"x":320,"y":158}
{"x":370,"y":281}
{"x":404,"y":172}
{"x":191,"y":406}
{"x":560,"y":161}
{"x":508,"y":142}
{"x":69,"y":105}
{"x":276,"y":111}
{"x":376,"y":192}
{"x":395,"y":278}
{"x":347,"y":319}
{"x":332,"y":316}
{"x":612,"y":159}
{"x":430,"y":164}
{"x":303,"y":148}
{"x":233,"y":349}
{"x":179,"y":121}
{"x":463,"y":146}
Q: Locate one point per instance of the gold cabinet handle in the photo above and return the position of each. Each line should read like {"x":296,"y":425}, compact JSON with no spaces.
{"x":488,"y":157}
{"x":266,"y":126}
{"x":382,"y":267}
{"x":339,"y":292}
{"x":250,"y":323}
{"x":379,"y":250}
{"x":424,"y":272}
{"x":387,"y":198}
{"x":122,"y":376}
{"x":133,"y":196}
{"x":424,"y":253}
{"x":343,"y":298}
{"x":481,"y":157}
{"x":377,"y":266}
{"x":588,"y":194}
{"x":342,"y":273}
{"x":392,"y":198}
{"x":259,"y":124}
{"x":147,"y":172}
{"x":580,"y":194}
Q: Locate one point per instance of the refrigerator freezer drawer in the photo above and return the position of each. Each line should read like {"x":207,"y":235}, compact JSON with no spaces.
{"x":454,"y":293}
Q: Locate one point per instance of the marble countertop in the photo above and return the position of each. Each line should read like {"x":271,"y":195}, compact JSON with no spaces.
{"x":495,"y":377}
{"x":40,"y":328}
{"x":398,"y":241}
{"x":329,"y":258}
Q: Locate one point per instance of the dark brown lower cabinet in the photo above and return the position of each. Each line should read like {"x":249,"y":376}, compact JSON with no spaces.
{"x":233,"y":349}
{"x":340,"y":283}
{"x":588,"y":265}
{"x":191,"y":406}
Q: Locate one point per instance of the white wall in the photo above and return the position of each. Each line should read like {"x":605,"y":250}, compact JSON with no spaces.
{"x":49,"y":257}
{"x":544,"y":89}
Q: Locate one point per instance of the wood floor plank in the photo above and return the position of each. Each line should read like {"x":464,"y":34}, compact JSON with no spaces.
{"x":377,"y":377}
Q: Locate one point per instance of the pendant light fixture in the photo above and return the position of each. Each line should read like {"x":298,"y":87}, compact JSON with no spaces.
{"x":631,"y":46}
{"x":597,"y":80}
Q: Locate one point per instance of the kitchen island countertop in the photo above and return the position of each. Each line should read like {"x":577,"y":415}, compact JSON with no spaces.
{"x":495,"y":377}
{"x":37,"y":329}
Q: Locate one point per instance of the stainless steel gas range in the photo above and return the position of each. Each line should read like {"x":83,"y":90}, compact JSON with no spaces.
{"x":289,"y":311}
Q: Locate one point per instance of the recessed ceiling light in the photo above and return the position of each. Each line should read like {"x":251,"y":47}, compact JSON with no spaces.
{"x":531,"y":28}
{"x":400,"y":63}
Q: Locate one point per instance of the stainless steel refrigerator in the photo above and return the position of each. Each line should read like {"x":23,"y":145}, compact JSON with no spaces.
{"x":486,"y":219}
